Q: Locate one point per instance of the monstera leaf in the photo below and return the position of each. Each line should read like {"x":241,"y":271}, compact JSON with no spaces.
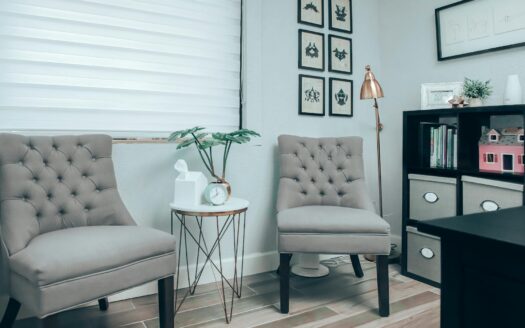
{"x":183,"y":133}
{"x":204,"y":142}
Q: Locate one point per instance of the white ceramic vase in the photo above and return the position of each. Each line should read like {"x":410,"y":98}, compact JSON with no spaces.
{"x":475,"y":102}
{"x":513,"y":91}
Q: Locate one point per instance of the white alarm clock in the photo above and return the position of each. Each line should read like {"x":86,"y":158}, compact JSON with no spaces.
{"x":216,"y":193}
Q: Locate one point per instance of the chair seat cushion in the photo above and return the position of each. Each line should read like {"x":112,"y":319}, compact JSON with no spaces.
{"x":74,"y":253}
{"x":330,"y":219}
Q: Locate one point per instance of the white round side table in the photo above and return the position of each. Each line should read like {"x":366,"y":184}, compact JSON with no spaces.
{"x":227,"y":217}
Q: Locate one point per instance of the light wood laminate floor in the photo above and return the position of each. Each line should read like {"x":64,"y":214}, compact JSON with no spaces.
{"x":338,"y":300}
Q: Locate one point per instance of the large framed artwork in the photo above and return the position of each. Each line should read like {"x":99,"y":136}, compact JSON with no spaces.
{"x":311,"y":95}
{"x":341,"y":97}
{"x":339,"y":54}
{"x":340,"y":15}
{"x":471,"y":27}
{"x":310,"y":12}
{"x":311,"y":50}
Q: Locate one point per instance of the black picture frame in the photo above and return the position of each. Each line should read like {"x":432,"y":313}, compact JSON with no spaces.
{"x":299,"y":16}
{"x":321,"y":52}
{"x":331,"y":54}
{"x":332,"y":98}
{"x":440,"y":56}
{"x":331,"y":22}
{"x":301,"y":92}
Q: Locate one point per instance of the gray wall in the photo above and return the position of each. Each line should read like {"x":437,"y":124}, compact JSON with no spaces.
{"x":408,"y":59}
{"x":396,"y":37}
{"x":145,"y":172}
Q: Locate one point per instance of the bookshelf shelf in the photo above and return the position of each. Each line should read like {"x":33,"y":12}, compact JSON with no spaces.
{"x":467,"y":124}
{"x":511,"y":177}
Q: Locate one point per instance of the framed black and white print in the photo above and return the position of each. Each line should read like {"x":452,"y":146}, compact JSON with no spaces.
{"x":310,"y":12}
{"x":311,"y":50}
{"x":340,"y":15}
{"x":311,"y":95}
{"x":339,"y":54}
{"x":341,"y":97}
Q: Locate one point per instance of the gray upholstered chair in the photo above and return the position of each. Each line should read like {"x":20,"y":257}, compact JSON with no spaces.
{"x":323,"y":207}
{"x":67,"y":235}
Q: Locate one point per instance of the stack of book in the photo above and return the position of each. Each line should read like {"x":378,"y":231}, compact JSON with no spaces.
{"x":439,"y":145}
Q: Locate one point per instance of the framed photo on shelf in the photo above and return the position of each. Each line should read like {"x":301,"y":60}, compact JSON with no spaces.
{"x":311,"y":95}
{"x":310,"y":12}
{"x":340,"y":15}
{"x":311,"y":50}
{"x":339,"y":54}
{"x":341,"y":97}
{"x":437,"y":95}
{"x":467,"y":27}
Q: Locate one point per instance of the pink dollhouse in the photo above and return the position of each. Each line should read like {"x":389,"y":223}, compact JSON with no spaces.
{"x":501,"y":150}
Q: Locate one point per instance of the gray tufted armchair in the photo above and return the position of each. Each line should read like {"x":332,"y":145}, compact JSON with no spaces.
{"x":323,"y":207}
{"x":67,"y":236}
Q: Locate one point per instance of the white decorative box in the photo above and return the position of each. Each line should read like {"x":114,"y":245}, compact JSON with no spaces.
{"x":189,"y":186}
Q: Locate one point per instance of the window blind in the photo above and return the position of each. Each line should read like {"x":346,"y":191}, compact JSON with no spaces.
{"x":127,"y":67}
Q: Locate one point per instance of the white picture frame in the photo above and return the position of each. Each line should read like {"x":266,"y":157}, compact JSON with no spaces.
{"x":437,"y":95}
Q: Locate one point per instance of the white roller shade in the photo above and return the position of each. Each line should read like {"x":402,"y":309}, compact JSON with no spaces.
{"x":127,"y":67}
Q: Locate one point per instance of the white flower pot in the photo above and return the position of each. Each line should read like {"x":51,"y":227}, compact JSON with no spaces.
{"x":475,"y":102}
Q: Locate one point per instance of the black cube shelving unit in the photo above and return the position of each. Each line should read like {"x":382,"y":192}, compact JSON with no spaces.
{"x":468,"y":122}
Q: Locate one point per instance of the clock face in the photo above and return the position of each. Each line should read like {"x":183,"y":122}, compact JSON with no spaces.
{"x":216,"y":194}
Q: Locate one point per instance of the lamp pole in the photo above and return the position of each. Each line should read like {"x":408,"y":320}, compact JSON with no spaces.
{"x":371,"y":89}
{"x":379,"y":127}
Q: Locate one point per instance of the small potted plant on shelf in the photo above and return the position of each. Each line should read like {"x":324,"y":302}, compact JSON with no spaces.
{"x":476,"y":91}
{"x":205,"y":143}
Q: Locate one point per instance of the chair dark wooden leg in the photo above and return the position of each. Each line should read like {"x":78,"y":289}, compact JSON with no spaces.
{"x":10,"y":313}
{"x":278,"y":271}
{"x":103,"y":304}
{"x":166,"y":302}
{"x":357,"y":266}
{"x":382,"y":285}
{"x":284,"y":272}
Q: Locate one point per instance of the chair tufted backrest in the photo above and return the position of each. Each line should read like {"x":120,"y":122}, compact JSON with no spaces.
{"x":52,"y":183}
{"x":321,"y":171}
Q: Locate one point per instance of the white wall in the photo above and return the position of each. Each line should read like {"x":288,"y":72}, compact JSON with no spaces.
{"x":409,"y":58}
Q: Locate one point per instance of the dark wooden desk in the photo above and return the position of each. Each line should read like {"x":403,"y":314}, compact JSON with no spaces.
{"x":482,"y":268}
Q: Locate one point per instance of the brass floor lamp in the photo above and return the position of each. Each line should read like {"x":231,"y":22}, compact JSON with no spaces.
{"x":371,"y":89}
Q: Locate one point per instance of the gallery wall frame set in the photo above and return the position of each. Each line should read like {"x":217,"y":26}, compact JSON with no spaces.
{"x":311,"y":50}
{"x":310,"y":12}
{"x":311,"y":95}
{"x":340,"y":15}
{"x":339,"y":54}
{"x":471,"y":27}
{"x":341,"y":92}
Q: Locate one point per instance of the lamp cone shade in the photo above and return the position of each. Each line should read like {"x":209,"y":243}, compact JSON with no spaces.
{"x":371,"y":89}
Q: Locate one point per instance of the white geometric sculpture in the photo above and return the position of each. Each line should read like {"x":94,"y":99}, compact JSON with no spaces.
{"x":189,"y":186}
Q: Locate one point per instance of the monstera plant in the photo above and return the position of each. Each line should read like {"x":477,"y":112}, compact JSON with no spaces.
{"x":206,"y":142}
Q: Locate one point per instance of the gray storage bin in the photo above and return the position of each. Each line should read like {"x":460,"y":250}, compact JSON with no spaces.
{"x":484,"y":195}
{"x":431,"y":197}
{"x":423,"y":254}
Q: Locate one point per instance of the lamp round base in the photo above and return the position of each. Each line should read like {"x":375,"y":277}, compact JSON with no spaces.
{"x":309,"y":266}
{"x":320,"y":271}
